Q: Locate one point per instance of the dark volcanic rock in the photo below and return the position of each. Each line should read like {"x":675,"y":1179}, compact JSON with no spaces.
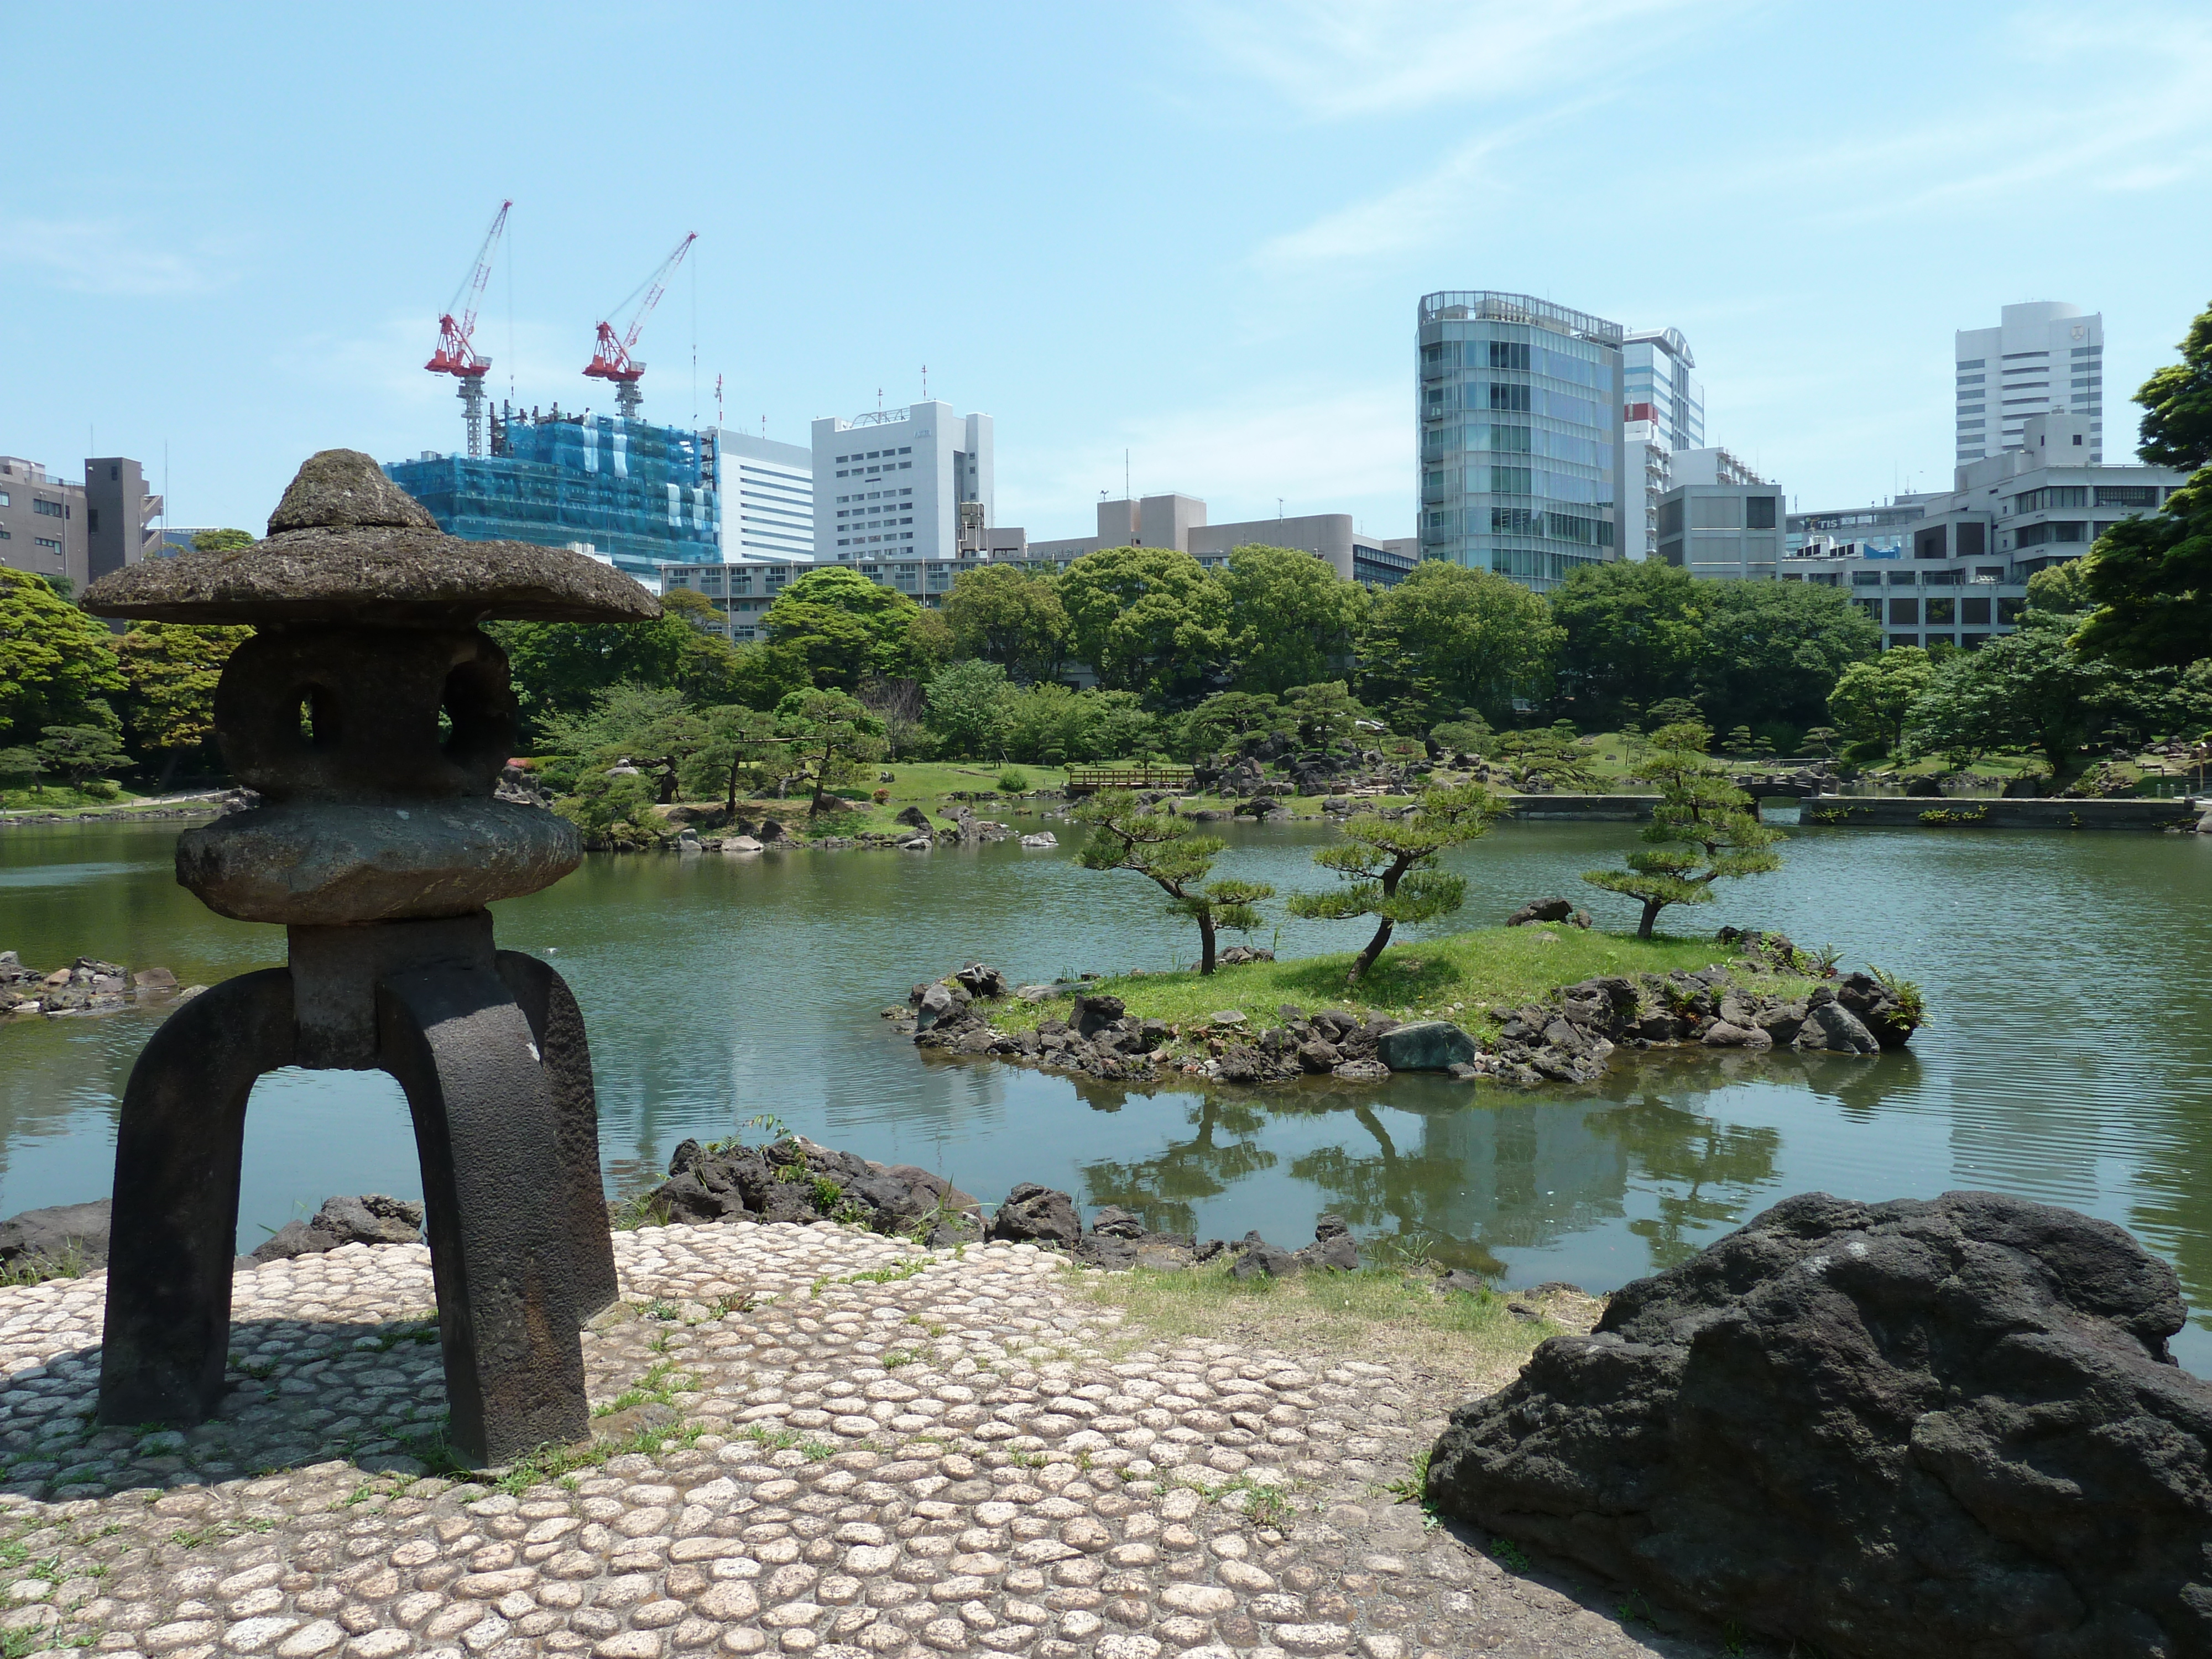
{"x":1543,"y":909}
{"x":1038,"y":1213}
{"x":53,"y":1235}
{"x":1426,"y":1045}
{"x":371,"y":1218}
{"x":1918,"y":1428}
{"x":1093,"y":1014}
{"x":1877,"y":1008}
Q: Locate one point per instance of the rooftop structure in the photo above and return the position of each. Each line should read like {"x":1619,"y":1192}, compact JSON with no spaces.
{"x":1520,"y":441}
{"x":1179,"y":521}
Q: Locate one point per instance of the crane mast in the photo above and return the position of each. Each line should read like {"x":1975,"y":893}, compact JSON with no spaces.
{"x":610,"y":357}
{"x":457,"y":354}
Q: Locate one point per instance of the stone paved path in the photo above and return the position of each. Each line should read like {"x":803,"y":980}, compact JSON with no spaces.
{"x":867,"y":1448}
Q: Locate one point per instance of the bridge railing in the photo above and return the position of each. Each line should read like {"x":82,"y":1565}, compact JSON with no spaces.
{"x":1088,"y":779}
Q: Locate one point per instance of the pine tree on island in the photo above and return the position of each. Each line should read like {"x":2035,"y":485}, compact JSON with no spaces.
{"x":1388,"y":866}
{"x":1704,"y":829}
{"x":1161,"y":847}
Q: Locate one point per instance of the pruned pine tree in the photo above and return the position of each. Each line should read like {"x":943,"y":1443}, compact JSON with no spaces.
{"x":1704,"y":829}
{"x":1162,"y":848}
{"x":1388,"y":866}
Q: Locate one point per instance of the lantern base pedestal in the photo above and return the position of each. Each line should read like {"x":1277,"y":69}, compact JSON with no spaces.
{"x":490,"y":1048}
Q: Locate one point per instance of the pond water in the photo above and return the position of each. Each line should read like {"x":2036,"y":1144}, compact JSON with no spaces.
{"x":2069,"y":1059}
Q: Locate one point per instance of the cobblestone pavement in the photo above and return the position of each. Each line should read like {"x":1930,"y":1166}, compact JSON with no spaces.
{"x":821,"y":1442}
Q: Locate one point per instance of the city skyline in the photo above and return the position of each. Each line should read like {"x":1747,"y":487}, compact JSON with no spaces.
{"x":262,"y":277}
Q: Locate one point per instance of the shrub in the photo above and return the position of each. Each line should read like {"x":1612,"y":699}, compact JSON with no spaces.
{"x":1014,"y":783}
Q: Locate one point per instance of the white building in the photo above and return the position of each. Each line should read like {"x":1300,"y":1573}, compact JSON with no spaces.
{"x":1655,"y":366}
{"x":2047,"y":358}
{"x":891,"y":484}
{"x":767,"y":497}
{"x":1179,"y":521}
{"x":1960,"y":575}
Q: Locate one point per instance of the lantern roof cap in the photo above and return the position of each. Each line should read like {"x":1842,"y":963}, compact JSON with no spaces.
{"x":347,"y":544}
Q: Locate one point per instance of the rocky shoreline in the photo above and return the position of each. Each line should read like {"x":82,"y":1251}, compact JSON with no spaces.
{"x":1571,"y":1038}
{"x":213,"y":805}
{"x":87,"y":986}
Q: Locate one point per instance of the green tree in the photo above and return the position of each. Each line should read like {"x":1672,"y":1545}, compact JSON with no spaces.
{"x":652,"y":727}
{"x":845,"y":627}
{"x":615,"y":805}
{"x":969,"y":704}
{"x":2151,"y":578}
{"x":738,"y":745}
{"x":1010,"y":617}
{"x":558,"y":668}
{"x":56,"y":661}
{"x":1120,"y":727}
{"x":1630,"y":634}
{"x":1388,"y":867}
{"x":1164,"y":850}
{"x":1774,"y":651}
{"x":1146,"y":619}
{"x":80,"y":752}
{"x":1324,"y":715}
{"x":1477,"y":639}
{"x":20,"y":765}
{"x":172,"y":670}
{"x":1232,"y":721}
{"x":2062,"y":589}
{"x":1470,"y":735}
{"x":1562,"y":762}
{"x":222,"y":541}
{"x":1872,"y":699}
{"x":763,"y":675}
{"x":1292,"y":619}
{"x":2028,"y":688}
{"x":831,"y":735}
{"x":1704,"y":829}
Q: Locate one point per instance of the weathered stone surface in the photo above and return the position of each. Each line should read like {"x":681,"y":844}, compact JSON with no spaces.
{"x":346,"y":544}
{"x":1426,"y":1045}
{"x":1543,"y":909}
{"x":59,"y":1233}
{"x":1039,"y":1214}
{"x":1918,"y":1428}
{"x":371,"y":1218}
{"x":332,"y":862}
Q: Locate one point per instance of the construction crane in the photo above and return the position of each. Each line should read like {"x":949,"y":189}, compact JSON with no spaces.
{"x":457,"y":354}
{"x":611,"y":358}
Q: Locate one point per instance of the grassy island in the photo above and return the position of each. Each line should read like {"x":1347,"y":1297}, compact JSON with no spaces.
{"x":1456,"y":976}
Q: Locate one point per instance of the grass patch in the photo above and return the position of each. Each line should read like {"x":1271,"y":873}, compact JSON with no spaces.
{"x":1379,"y":1313}
{"x":1458,"y":976}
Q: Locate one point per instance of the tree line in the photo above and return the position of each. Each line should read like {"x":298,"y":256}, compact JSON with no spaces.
{"x":1185,"y":661}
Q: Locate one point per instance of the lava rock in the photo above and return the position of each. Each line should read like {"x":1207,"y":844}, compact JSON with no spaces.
{"x":371,"y":1218}
{"x":1919,"y":1428}
{"x":1093,"y":1014}
{"x":1038,"y":1214}
{"x":1426,"y":1045}
{"x":1257,"y":1259}
{"x":1877,"y":1008}
{"x":55,"y":1236}
{"x":1360,"y":1070}
{"x":1543,"y":909}
{"x":1115,"y":1222}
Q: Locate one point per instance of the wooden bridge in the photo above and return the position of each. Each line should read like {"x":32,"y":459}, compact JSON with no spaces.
{"x":1088,"y":779}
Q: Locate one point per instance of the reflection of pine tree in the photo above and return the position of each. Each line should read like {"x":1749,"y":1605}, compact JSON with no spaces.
{"x":1411,"y":1193}
{"x":1165,"y":1189}
{"x":1703,"y":1172}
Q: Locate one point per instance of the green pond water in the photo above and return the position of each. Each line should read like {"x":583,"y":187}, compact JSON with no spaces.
{"x":2069,"y":1059}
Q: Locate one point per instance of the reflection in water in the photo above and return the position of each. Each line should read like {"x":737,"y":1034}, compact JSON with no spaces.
{"x":2070,"y":1058}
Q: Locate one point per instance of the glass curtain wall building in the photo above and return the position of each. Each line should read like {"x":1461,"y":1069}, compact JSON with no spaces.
{"x":1520,"y":434}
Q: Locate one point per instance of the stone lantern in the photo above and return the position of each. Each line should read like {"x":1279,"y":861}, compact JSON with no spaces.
{"x":374,"y":716}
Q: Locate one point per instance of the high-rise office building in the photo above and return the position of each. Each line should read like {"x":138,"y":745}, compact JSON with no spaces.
{"x":767,"y":491}
{"x":1520,"y":441}
{"x":910,"y":483}
{"x":1655,"y":367}
{"x":2044,"y":358}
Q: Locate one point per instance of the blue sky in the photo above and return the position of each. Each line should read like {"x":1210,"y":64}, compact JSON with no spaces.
{"x":1195,"y":232}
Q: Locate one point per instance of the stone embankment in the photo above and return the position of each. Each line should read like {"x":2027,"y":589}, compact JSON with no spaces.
{"x":812,"y":1440}
{"x":1893,"y":811}
{"x":1570,"y":1038}
{"x":87,"y":986}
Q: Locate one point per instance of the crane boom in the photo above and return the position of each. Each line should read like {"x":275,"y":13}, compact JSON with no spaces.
{"x":457,"y":353}
{"x":611,"y":358}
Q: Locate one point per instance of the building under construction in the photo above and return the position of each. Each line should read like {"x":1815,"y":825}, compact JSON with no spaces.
{"x":630,"y":493}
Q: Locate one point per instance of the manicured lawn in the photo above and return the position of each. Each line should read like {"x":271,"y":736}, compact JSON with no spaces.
{"x":1456,"y":976}
{"x":55,"y":797}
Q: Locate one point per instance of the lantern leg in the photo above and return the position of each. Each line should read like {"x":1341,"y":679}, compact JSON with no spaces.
{"x":558,"y":1026}
{"x":500,"y":1256}
{"x":173,"y":1244}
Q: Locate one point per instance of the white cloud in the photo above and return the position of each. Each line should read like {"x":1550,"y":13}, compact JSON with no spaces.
{"x":1327,"y":452}
{"x":104,"y":256}
{"x":1336,"y":59}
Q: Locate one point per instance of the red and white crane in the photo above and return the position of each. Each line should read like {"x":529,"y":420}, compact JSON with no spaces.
{"x":457,"y":354}
{"x":611,"y":358}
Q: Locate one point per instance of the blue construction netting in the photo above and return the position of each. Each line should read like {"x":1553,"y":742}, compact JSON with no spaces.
{"x":631,"y":491}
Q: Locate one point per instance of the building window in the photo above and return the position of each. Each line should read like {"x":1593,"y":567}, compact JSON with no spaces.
{"x":1509,"y":480}
{"x":48,"y":543}
{"x":1904,"y":611}
{"x":2107,"y":495}
{"x":1758,"y":512}
{"x":2009,"y":611}
{"x":1507,"y":397}
{"x":1872,"y":607}
{"x":1865,"y":579}
{"x":45,"y":509}
{"x":1508,"y":354}
{"x":1941,"y":613}
{"x":1974,"y":609}
{"x":1896,"y":639}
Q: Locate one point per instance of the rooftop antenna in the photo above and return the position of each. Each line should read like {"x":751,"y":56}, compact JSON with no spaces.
{"x":718,"y":400}
{"x":695,"y":343}
{"x":924,"y":383}
{"x":1125,"y":475}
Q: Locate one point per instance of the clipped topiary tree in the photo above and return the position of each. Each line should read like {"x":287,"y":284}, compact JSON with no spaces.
{"x":1162,"y":848}
{"x":1388,"y":866}
{"x":1704,"y":829}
